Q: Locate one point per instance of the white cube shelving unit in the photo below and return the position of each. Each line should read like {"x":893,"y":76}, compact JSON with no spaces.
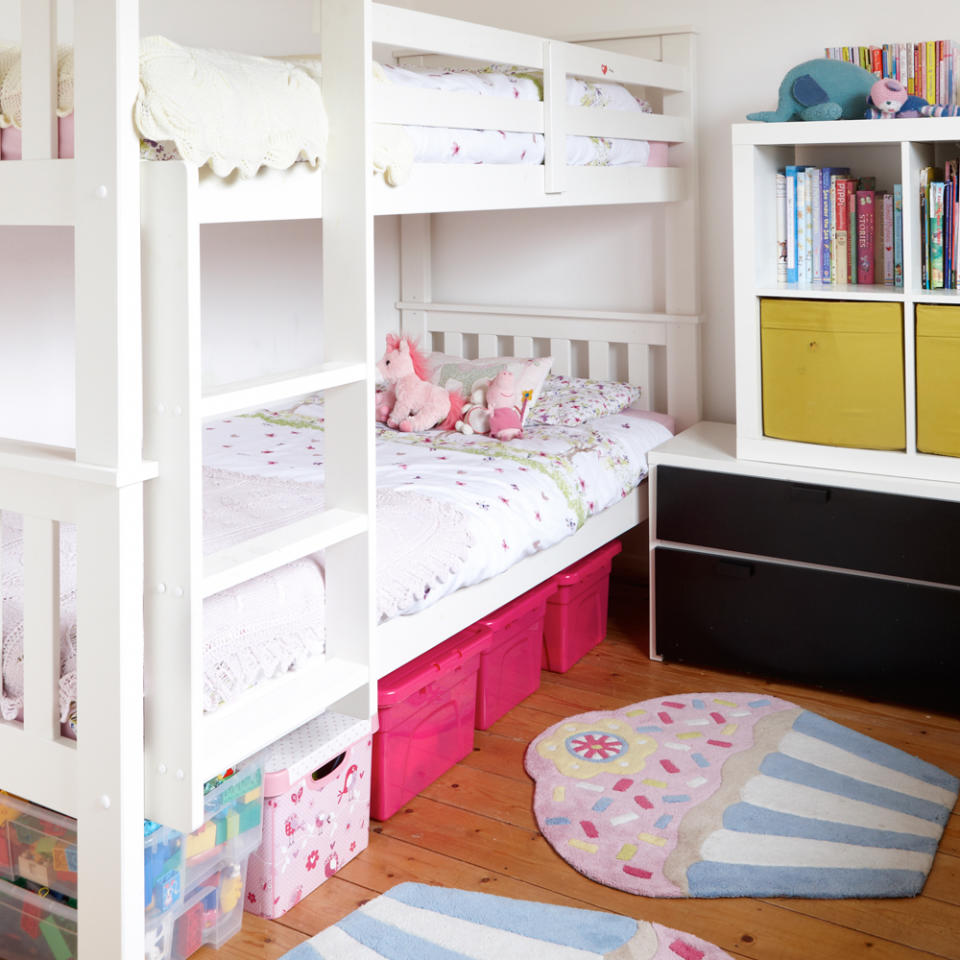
{"x":892,"y":151}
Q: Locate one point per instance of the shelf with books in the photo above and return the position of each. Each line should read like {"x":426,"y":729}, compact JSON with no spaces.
{"x":893,"y":155}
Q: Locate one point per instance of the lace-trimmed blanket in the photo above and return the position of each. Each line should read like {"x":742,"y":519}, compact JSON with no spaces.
{"x":268,"y":625}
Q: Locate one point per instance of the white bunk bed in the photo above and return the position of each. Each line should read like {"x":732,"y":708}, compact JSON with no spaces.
{"x":132,"y":486}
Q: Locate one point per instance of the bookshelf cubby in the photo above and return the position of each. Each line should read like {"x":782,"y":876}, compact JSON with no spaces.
{"x":894,"y":151}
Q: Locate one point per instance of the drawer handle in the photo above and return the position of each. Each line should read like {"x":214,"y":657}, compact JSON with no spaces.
{"x":806,"y":493}
{"x":730,"y":568}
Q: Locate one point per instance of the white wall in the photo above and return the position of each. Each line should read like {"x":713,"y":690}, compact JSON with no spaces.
{"x":745,"y":48}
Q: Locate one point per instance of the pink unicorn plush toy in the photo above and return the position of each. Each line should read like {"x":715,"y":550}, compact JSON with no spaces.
{"x":410,"y":401}
{"x":506,"y":422}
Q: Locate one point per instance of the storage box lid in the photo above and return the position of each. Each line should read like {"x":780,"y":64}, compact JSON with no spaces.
{"x":938,"y":321}
{"x":533,"y":598}
{"x":298,"y":754}
{"x":588,"y":565}
{"x":397,"y":686}
{"x":830,"y":316}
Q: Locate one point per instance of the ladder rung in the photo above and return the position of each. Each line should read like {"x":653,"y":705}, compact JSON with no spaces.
{"x":263,"y":391}
{"x":258,"y":555}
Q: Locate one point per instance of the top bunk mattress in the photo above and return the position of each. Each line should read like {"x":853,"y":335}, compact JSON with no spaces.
{"x":237,"y":112}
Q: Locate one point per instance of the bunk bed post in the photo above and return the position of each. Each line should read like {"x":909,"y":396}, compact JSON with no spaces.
{"x":682,"y":229}
{"x":348,"y":299}
{"x":415,"y":275}
{"x":110,"y":529}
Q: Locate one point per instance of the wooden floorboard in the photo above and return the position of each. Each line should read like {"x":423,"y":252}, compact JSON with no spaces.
{"x":473,"y":828}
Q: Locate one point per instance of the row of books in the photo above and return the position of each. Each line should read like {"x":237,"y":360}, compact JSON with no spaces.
{"x":928,"y":69}
{"x":939,"y":226}
{"x":836,"y":228}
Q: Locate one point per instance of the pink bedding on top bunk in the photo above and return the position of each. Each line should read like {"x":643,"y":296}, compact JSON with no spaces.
{"x":486,"y":504}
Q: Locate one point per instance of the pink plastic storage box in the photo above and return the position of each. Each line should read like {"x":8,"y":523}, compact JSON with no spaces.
{"x":510,"y":667}
{"x":316,"y":811}
{"x":426,"y":719}
{"x":576,"y":618}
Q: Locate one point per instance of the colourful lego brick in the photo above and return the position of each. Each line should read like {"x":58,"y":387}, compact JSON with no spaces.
{"x":34,"y":869}
{"x":249,"y":816}
{"x":233,"y":823}
{"x":168,"y":890}
{"x":202,"y":840}
{"x":188,"y":935}
{"x":221,"y":824}
{"x":56,"y":942}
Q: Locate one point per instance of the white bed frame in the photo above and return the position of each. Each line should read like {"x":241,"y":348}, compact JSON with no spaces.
{"x":132,"y":486}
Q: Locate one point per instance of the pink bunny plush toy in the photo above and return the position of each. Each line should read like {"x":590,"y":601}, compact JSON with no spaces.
{"x":505,"y":418}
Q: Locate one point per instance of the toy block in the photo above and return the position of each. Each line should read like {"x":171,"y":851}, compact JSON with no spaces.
{"x":249,"y":816}
{"x":31,"y":868}
{"x":202,"y":840}
{"x":59,"y":947}
{"x":188,"y":936}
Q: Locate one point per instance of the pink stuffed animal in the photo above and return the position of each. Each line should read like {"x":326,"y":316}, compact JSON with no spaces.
{"x":417,"y":404}
{"x":506,"y":421}
{"x":889,"y":99}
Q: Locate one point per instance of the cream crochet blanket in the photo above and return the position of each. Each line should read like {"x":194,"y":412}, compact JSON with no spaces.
{"x":266,"y":626}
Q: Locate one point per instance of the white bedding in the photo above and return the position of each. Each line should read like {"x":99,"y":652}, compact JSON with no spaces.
{"x":504,"y":501}
{"x":517,"y":497}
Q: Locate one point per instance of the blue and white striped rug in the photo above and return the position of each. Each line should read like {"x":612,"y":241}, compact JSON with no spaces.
{"x":414,"y":921}
{"x":733,"y":795}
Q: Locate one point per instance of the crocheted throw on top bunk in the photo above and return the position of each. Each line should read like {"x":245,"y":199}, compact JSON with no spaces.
{"x":239,"y":112}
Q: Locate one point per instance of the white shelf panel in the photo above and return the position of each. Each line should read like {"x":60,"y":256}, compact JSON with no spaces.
{"x":258,"y":555}
{"x":853,"y":132}
{"x":264,"y":391}
{"x":815,"y":291}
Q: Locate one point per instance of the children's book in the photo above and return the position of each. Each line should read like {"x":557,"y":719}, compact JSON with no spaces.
{"x":802,"y":251}
{"x":781,"y":200}
{"x":790,"y":173}
{"x":842,"y":216}
{"x":865,"y":231}
{"x":851,"y":230}
{"x":936,"y":235}
{"x":813,"y":224}
{"x":897,"y":235}
{"x":828,"y":230}
{"x":888,"y":239}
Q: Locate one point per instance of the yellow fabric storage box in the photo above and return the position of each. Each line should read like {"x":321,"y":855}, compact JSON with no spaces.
{"x":833,"y":372}
{"x":938,"y":379}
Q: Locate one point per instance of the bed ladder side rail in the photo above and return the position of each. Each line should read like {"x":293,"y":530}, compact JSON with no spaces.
{"x":173,"y":565}
{"x":347,"y":29}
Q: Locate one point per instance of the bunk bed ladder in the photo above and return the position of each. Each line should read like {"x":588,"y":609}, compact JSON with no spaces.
{"x":184,"y":745}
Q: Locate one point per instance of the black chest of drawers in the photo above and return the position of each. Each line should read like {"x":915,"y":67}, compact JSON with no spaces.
{"x":815,"y":583}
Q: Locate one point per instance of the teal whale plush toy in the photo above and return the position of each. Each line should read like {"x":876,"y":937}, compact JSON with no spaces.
{"x":821,"y":90}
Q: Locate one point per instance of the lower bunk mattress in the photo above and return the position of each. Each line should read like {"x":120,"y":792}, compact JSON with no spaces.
{"x":452,"y":510}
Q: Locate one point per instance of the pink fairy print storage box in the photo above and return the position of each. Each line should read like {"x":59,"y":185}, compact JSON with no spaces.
{"x":316,"y":814}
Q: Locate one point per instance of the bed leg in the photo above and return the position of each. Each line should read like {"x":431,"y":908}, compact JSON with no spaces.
{"x":110,"y":732}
